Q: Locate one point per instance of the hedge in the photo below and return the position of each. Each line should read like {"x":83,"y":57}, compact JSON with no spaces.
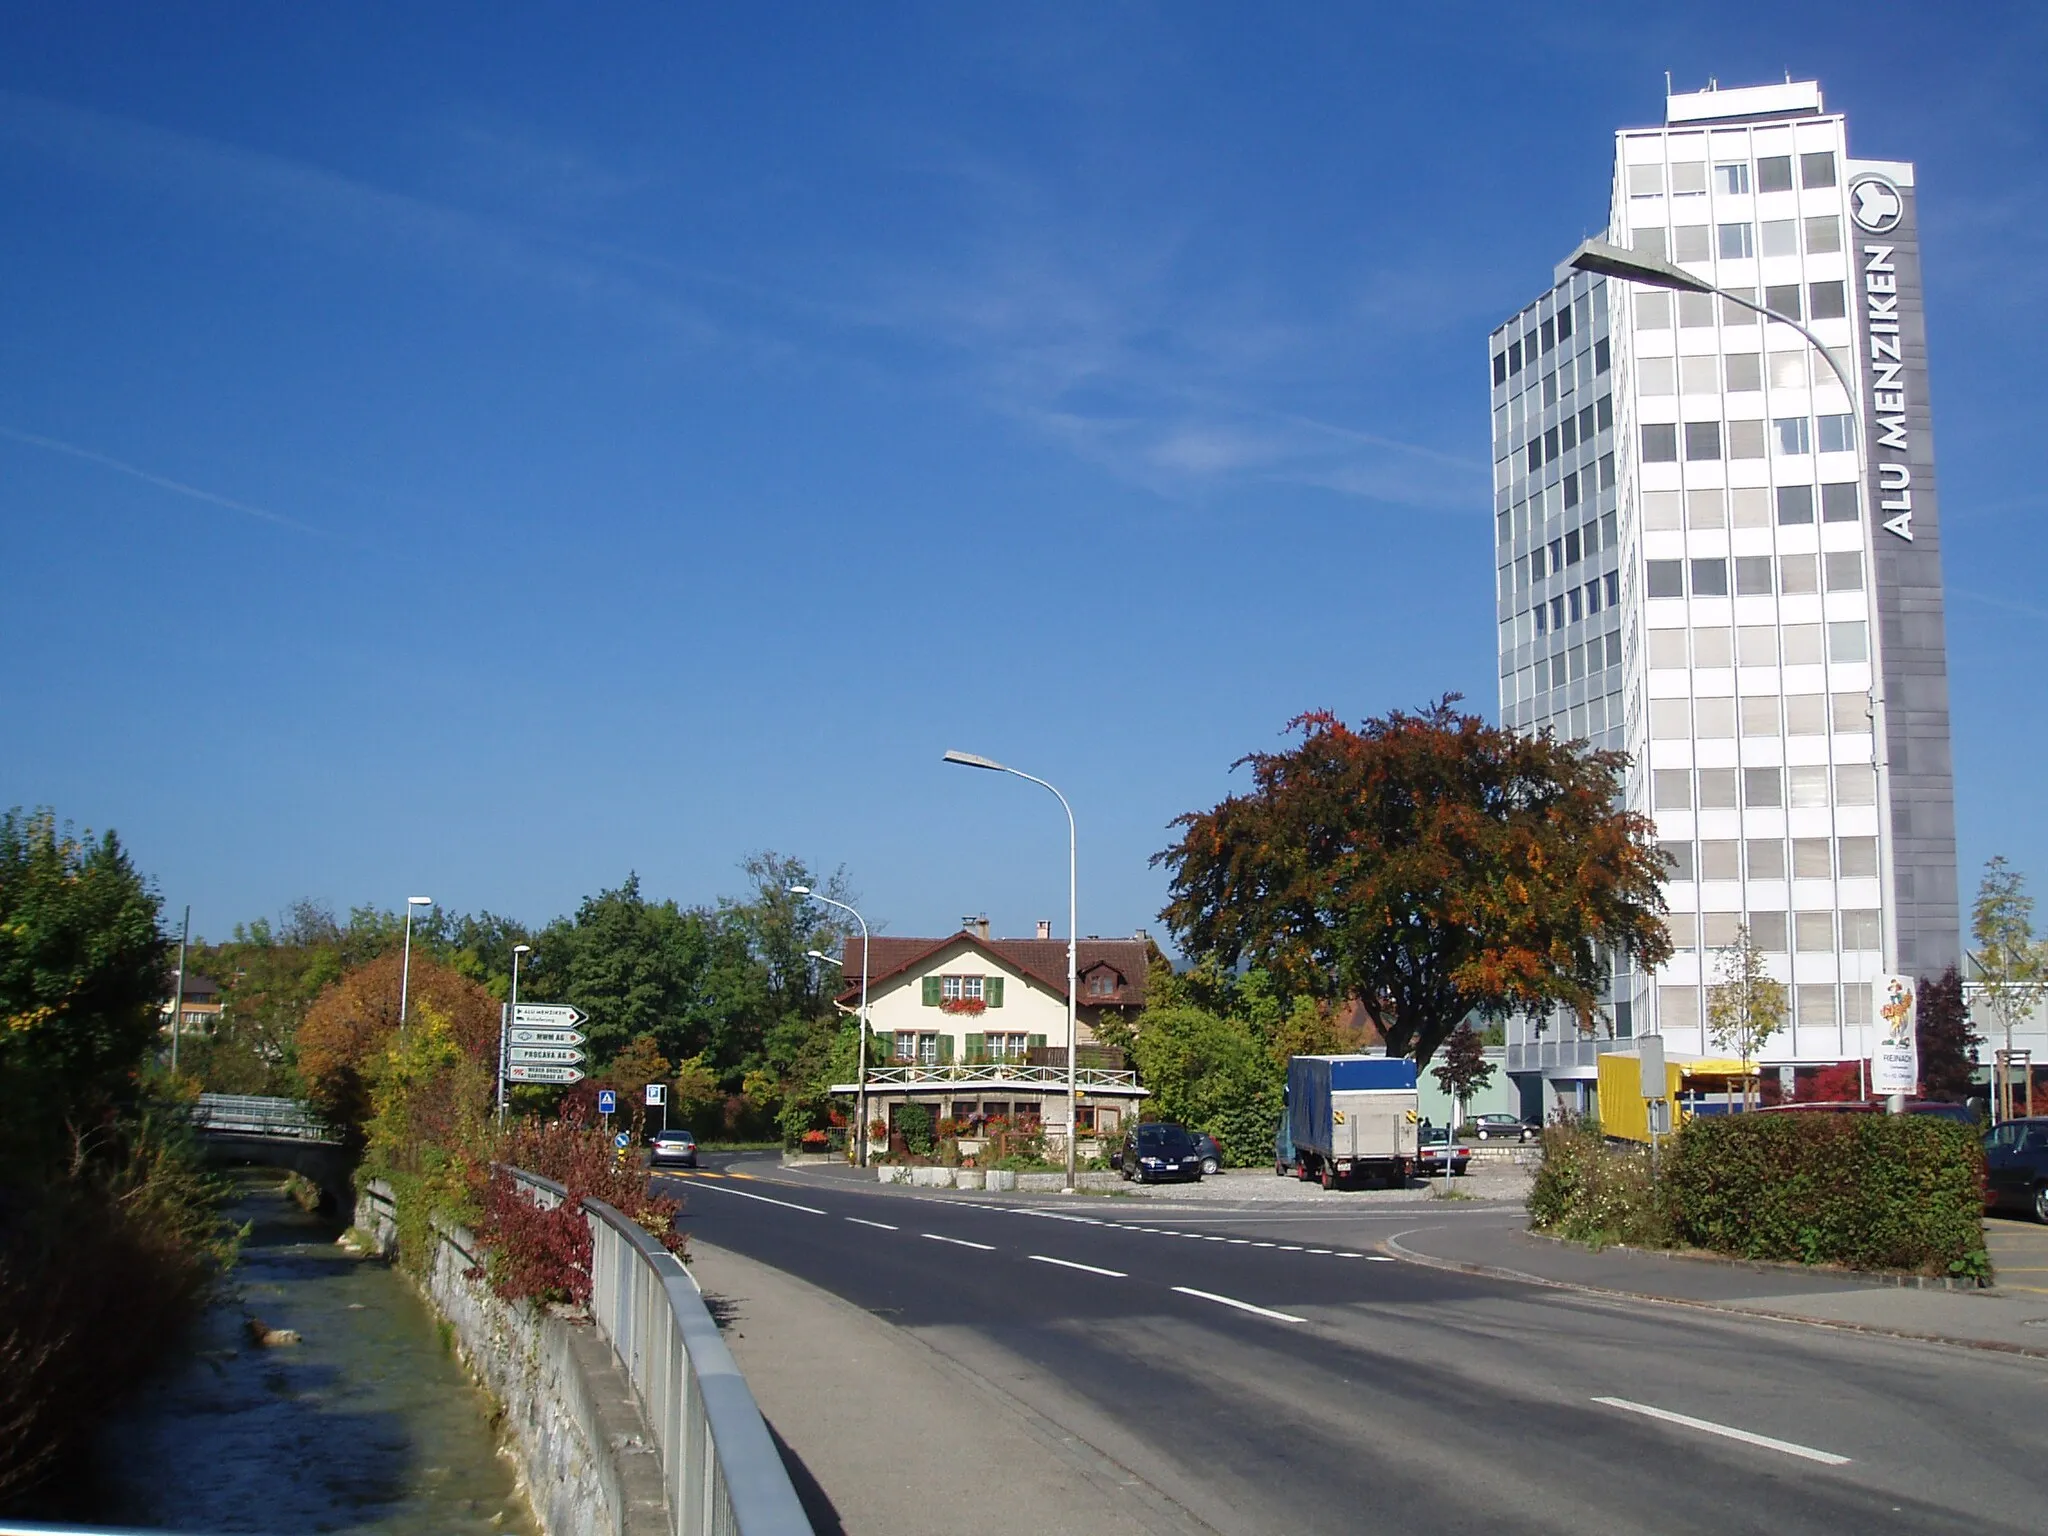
{"x":1900,"y":1192}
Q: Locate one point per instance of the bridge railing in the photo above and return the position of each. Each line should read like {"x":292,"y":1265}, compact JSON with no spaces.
{"x":724,"y":1475}
{"x":251,"y":1114}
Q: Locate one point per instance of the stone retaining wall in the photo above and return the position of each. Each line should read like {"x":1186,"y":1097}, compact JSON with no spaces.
{"x":586,"y":1457}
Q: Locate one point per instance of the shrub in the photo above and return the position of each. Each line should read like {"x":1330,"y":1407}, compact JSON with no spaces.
{"x":1592,"y":1193}
{"x":914,"y":1125}
{"x":1868,"y":1191}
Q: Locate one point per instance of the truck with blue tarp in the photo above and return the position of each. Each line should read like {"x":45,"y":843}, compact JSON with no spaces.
{"x":1349,"y":1119}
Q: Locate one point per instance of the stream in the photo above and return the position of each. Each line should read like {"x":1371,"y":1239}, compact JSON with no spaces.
{"x":368,"y":1424}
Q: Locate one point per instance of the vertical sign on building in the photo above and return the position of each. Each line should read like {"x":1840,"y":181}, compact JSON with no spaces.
{"x":1904,"y":525}
{"x":1895,"y":1060}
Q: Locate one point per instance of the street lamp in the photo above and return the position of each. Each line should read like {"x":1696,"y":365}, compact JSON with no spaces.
{"x":969,"y":760}
{"x":1603,"y":259}
{"x":505,"y":1029}
{"x":860,"y":1092}
{"x":405,"y":970}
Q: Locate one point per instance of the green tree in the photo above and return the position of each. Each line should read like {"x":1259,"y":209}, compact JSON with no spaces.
{"x":1464,"y":1069}
{"x":1746,"y":1006}
{"x":2010,"y":961}
{"x":1210,"y":1073}
{"x":1431,"y":866}
{"x":82,"y":970}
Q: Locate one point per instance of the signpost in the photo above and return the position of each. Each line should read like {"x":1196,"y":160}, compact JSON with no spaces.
{"x":607,"y":1102}
{"x":1655,"y":1087}
{"x":541,"y":1041}
{"x":657,"y":1098}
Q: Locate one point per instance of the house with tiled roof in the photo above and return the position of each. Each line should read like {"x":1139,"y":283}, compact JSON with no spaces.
{"x":974,"y":1026}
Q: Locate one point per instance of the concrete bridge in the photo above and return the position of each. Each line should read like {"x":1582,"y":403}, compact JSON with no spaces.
{"x":252,"y":1131}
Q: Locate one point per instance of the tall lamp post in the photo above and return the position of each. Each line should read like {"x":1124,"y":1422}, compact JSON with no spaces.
{"x":1603,"y":259}
{"x":969,"y":760}
{"x":405,"y":967}
{"x":505,"y":1030}
{"x":860,"y":1093}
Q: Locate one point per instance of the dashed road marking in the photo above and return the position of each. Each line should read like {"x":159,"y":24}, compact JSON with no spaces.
{"x":1242,"y":1306}
{"x":882,"y":1225}
{"x":1041,"y":1258}
{"x":959,"y":1242}
{"x":1727,"y":1431}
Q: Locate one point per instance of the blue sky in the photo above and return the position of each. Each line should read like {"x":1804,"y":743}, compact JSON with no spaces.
{"x":481,"y":453}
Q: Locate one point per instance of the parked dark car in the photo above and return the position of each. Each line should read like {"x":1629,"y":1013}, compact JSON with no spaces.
{"x":1431,"y":1156}
{"x":2016,"y":1167}
{"x":676,"y":1149}
{"x":1158,"y":1150}
{"x":1207,"y":1150}
{"x":1501,"y":1128}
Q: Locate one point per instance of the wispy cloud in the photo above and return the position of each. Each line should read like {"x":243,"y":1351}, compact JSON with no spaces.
{"x":150,"y":477}
{"x":2008,"y":604}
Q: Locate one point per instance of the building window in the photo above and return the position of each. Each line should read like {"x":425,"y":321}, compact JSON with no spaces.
{"x":1710,"y":578}
{"x":1774,"y":173}
{"x":1795,"y":505}
{"x":1809,"y":787}
{"x":1838,"y":501}
{"x":1796,"y":574}
{"x":1646,"y":181}
{"x":1702,"y":440}
{"x":1745,"y":438}
{"x":1718,"y":930}
{"x":1500,"y":368}
{"x":1806,"y":714}
{"x":1717,"y":789}
{"x":1660,"y":443}
{"x":1684,"y":930}
{"x":1817,"y":169}
{"x":1812,"y":858}
{"x":1612,"y":582}
{"x":1669,"y":720}
{"x":1767,"y":931}
{"x":1691,"y":243}
{"x":1603,"y":356}
{"x":1844,"y":570}
{"x":1606,"y":469}
{"x":1656,"y":376}
{"x":1671,"y":789}
{"x":1828,"y":301}
{"x":1780,"y":238}
{"x":1757,"y":646}
{"x":1720,"y":859}
{"x":1696,"y":310}
{"x":1102,"y":983}
{"x":1006,"y":1047}
{"x":1714,"y":718}
{"x":1855,"y":784}
{"x":1802,"y":645}
{"x":1678,"y":1007}
{"x":1858,"y":858}
{"x":1837,"y":434}
{"x":1745,"y":372}
{"x":1699,"y":376}
{"x":1851,"y":712}
{"x":1815,"y":1004}
{"x":1753,"y":577}
{"x":1823,"y":234}
{"x":1766,"y":859}
{"x":1816,"y":932}
{"x":1710,"y":648}
{"x":958,"y":988}
{"x":1762,"y":788}
{"x":1794,"y":434}
{"x":1848,"y":641}
{"x":1737,"y":242}
{"x":1564,"y":324}
{"x":1688,"y":178}
{"x":1666,"y":578}
{"x":1760,"y":715}
{"x":1734,"y":314}
{"x":1783,"y":299}
{"x":1732,"y":180}
{"x":1677,"y":860}
{"x":1653,"y":310}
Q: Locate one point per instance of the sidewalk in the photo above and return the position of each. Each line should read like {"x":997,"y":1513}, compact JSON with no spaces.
{"x":2013,"y":1321}
{"x":885,"y":1435}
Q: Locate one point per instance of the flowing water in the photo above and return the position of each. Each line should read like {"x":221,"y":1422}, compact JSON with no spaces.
{"x":368,"y":1424}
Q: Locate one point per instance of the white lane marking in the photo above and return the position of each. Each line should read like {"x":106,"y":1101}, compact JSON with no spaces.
{"x":1708,"y":1426}
{"x":1237,"y":1241}
{"x":860,"y":1221}
{"x":959,"y":1242}
{"x":1380,"y":1258}
{"x":1265,"y":1245}
{"x":1041,"y":1258}
{"x":1290,"y":1248}
{"x":1209,"y":1238}
{"x":791,"y":1205}
{"x":1242,"y":1306}
{"x":1350,"y":1255}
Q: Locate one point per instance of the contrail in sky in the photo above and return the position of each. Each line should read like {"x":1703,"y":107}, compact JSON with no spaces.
{"x":162,"y":482}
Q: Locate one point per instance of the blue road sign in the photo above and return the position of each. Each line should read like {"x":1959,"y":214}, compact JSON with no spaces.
{"x":607,"y":1102}
{"x":621,"y":1139}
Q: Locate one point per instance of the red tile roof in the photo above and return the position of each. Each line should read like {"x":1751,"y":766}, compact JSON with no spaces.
{"x":1043,"y":960}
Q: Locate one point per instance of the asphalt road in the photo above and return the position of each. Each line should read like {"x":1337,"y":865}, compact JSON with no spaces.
{"x":1270,"y":1373}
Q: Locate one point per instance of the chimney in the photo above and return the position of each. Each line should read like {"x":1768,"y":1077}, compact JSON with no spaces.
{"x":978,"y":925}
{"x":1045,"y":927}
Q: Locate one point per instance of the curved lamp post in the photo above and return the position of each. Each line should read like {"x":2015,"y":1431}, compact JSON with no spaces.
{"x":860,"y":1097}
{"x":504,"y":1030}
{"x":405,"y":967}
{"x":969,"y":760}
{"x":1604,"y":259}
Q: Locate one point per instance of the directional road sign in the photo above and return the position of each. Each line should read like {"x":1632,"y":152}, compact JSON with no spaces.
{"x":607,"y":1101}
{"x":621,"y":1139}
{"x":548,"y":1016}
{"x":520,"y":1072}
{"x":536,"y":1055}
{"x":546,"y":1037}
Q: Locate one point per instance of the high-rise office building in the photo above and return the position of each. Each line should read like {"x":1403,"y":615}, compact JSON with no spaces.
{"x":1714,"y":557}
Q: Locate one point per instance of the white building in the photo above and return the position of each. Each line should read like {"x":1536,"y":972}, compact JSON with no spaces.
{"x":1700,"y":563}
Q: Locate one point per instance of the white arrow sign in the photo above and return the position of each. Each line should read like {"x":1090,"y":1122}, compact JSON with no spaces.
{"x":519,"y":1072}
{"x":547,"y":1037}
{"x":548,"y":1015}
{"x":533,"y":1055}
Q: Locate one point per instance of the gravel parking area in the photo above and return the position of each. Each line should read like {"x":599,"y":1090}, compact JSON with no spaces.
{"x":1261,"y":1186}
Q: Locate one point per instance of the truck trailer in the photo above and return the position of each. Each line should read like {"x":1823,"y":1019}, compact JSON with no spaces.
{"x":1348,"y":1119}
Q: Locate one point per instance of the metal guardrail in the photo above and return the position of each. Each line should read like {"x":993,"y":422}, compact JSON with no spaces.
{"x":723,"y":1472}
{"x":250,"y":1114}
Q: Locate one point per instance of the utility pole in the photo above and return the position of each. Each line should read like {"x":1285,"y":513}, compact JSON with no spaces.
{"x":178,"y":995}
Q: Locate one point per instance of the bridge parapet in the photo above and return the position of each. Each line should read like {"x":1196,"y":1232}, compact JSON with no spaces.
{"x":252,"y":1114}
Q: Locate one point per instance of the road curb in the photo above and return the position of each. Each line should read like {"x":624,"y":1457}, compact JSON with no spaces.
{"x":1394,"y":1248}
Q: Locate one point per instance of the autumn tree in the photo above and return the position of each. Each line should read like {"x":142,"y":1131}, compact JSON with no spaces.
{"x":2011,"y":961}
{"x":354,"y":1021}
{"x":1429,"y":865}
{"x":1464,"y":1069}
{"x":1948,"y":1043}
{"x":1746,"y":1005}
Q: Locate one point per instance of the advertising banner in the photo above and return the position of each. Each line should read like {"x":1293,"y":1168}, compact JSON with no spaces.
{"x":1895,"y":1060}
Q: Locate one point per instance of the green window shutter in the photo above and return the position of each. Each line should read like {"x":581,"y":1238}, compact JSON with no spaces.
{"x":992,"y":991}
{"x":886,"y":1039}
{"x":931,"y":991}
{"x":977,"y":1048}
{"x":945,"y":1050}
{"x":1034,"y":1042}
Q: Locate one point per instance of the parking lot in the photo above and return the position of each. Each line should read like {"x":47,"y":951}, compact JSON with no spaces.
{"x":2019,"y":1252}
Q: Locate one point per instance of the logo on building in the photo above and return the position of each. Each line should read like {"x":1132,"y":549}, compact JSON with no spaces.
{"x":1875,"y":204}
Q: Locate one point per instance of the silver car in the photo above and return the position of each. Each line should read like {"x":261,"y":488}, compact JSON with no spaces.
{"x":673,"y":1149}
